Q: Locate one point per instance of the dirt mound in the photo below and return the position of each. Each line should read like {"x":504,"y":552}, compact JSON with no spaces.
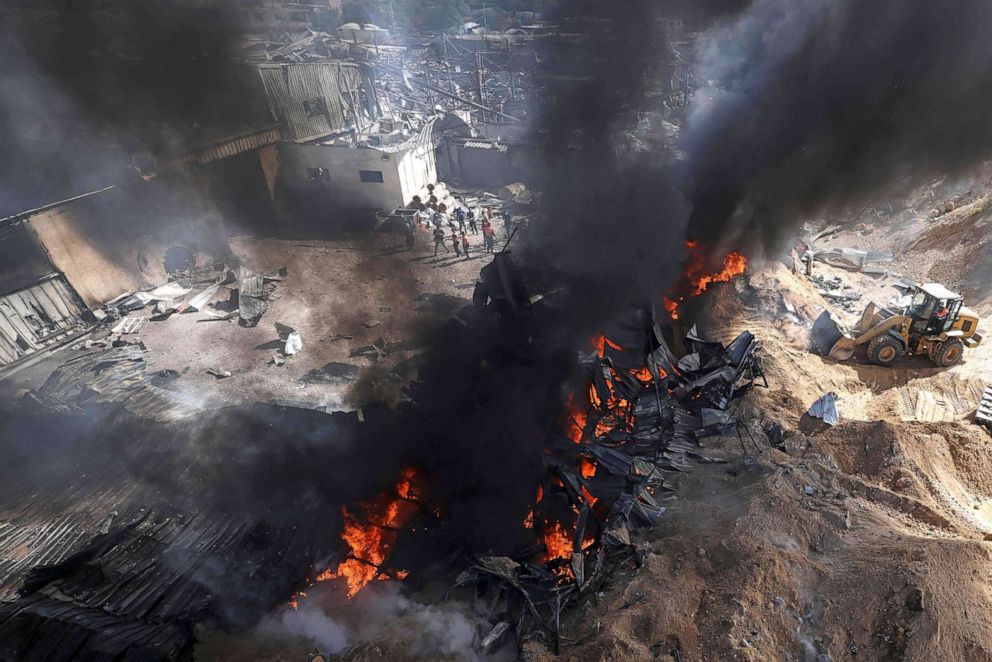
{"x":861,"y":541}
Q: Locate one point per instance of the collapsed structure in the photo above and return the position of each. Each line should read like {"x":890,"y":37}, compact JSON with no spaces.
{"x":628,"y":432}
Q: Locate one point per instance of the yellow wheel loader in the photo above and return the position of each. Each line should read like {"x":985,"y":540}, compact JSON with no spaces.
{"x":936,"y":323}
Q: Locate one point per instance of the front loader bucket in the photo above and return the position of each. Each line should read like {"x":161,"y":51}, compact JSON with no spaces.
{"x":830,"y":339}
{"x":842,"y":350}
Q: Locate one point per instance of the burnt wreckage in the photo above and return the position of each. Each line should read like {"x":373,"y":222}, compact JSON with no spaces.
{"x":118,"y":571}
{"x":614,"y":464}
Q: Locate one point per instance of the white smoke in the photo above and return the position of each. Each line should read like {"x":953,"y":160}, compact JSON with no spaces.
{"x":381,"y":614}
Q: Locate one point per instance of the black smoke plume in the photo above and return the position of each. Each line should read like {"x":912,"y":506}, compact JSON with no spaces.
{"x":94,"y":92}
{"x":815,"y":104}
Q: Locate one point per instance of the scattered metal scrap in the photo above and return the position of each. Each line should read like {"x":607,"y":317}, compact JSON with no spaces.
{"x":984,"y":413}
{"x":638,"y":433}
{"x":825,"y":408}
{"x":850,"y":258}
{"x":127,"y":550}
{"x":252,"y":296}
{"x":118,"y":375}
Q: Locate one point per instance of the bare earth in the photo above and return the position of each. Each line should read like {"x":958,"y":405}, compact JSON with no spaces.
{"x":866,"y":541}
{"x":340,"y":295}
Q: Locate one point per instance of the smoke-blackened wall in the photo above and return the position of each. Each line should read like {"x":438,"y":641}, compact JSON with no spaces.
{"x":812,"y":104}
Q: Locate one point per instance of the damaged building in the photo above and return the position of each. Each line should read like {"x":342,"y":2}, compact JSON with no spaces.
{"x":406,"y":331}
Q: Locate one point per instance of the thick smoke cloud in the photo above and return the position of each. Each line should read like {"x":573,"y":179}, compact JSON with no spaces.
{"x":614,"y":219}
{"x":814,"y":104}
{"x":93,"y":93}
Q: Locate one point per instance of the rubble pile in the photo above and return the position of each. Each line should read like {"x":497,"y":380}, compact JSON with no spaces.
{"x":423,"y":75}
{"x":199,"y":290}
{"x":641,"y":420}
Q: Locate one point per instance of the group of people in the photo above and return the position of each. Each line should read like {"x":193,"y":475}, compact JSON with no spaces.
{"x":461,"y":223}
{"x":459,"y":238}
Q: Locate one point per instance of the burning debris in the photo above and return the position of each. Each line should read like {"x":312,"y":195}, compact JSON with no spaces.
{"x":629,"y":429}
{"x":370,"y":532}
{"x":696,"y":277}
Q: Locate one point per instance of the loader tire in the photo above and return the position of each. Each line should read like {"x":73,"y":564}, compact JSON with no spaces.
{"x":885,"y":350}
{"x":947,"y":353}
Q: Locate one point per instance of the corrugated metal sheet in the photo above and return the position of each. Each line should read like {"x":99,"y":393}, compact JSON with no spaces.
{"x":233,"y":146}
{"x":338,"y":85}
{"x":39,"y":316}
{"x":117,"y":375}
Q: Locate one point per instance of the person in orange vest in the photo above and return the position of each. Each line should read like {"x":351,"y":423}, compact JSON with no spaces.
{"x":940,"y":317}
{"x":465,"y":244}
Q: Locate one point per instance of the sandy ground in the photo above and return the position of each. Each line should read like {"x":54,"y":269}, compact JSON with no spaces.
{"x":869,"y":540}
{"x":341,"y":296}
{"x":865,"y":541}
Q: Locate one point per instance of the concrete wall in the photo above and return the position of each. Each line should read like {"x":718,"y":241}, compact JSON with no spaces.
{"x":417,"y":169}
{"x":403,"y":173}
{"x":94,"y":272}
{"x":115,"y":242}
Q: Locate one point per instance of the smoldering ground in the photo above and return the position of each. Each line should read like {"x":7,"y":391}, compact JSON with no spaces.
{"x":401,"y":627}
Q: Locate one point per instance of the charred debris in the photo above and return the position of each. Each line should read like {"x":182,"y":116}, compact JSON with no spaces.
{"x":132,"y":577}
{"x":637,"y":422}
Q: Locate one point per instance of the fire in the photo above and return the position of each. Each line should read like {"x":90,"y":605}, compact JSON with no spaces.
{"x":698,"y":280}
{"x":576,"y":420}
{"x":734,"y":265}
{"x":370,"y":531}
{"x":643,"y":375}
{"x":609,"y":415}
{"x":672,"y":307}
{"x":557,"y":542}
{"x":601,"y":342}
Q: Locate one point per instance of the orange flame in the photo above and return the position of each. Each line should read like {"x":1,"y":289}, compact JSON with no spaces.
{"x":558,"y":542}
{"x":576,"y":420}
{"x":370,"y":538}
{"x":698,"y":280}
{"x":734,"y":265}
{"x":672,"y":306}
{"x":600,"y":343}
{"x":643,"y":375}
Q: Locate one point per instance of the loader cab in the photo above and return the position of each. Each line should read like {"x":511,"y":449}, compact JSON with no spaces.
{"x":934,"y":308}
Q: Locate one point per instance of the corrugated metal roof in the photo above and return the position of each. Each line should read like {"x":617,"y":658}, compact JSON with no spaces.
{"x":479,"y":144}
{"x":338,"y":86}
{"x":424,"y":137}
